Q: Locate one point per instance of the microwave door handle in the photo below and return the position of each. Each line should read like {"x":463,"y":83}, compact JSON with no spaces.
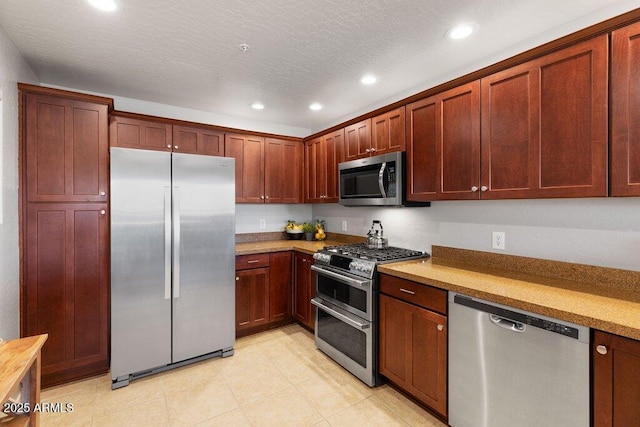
{"x":381,"y":179}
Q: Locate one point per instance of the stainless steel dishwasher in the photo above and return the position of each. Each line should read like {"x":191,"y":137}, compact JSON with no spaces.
{"x":509,"y":367}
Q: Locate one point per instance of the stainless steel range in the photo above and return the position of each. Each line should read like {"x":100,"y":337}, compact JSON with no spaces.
{"x":347,"y":304}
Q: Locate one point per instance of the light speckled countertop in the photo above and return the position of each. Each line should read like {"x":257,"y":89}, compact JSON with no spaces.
{"x":611,"y":306}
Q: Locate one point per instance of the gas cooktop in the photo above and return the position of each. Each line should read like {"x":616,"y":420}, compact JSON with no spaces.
{"x":360,"y":251}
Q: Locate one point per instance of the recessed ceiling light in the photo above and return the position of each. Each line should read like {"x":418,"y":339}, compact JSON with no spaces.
{"x":257,"y":106}
{"x":460,"y":31}
{"x":105,"y":5}
{"x":368,"y":79}
{"x":315,"y":106}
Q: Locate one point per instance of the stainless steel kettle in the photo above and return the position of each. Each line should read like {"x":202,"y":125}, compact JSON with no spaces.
{"x":375,"y":238}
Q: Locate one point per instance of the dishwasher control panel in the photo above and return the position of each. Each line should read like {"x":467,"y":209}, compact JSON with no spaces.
{"x":516,"y":317}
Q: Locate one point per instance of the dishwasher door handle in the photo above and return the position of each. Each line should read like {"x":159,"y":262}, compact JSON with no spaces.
{"x":507,"y":324}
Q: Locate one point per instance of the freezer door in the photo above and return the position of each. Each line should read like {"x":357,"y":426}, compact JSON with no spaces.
{"x":140,"y":260}
{"x":204,"y":255}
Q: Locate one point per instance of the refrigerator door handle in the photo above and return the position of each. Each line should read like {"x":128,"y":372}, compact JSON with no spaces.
{"x":167,"y":242}
{"x":176,"y":242}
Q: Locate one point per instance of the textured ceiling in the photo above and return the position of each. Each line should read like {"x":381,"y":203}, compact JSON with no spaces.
{"x":185,"y":53}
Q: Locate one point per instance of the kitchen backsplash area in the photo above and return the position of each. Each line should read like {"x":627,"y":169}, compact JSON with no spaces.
{"x":249,"y":216}
{"x":599,"y":231}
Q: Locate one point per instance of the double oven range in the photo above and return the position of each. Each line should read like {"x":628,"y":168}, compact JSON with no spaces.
{"x":346,"y":303}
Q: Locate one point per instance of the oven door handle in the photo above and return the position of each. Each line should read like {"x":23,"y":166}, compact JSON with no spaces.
{"x":346,"y":319}
{"x":339,"y":277}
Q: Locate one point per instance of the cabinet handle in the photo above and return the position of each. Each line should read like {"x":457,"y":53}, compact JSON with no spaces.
{"x":602,"y":349}
{"x":237,"y":279}
{"x":440,"y":327}
{"x":103,"y":212}
{"x":103,"y":193}
{"x":407,"y":291}
{"x":367,"y":150}
{"x":484,"y":188}
{"x":261,"y":197}
{"x":253,"y":261}
{"x":266,"y":197}
{"x":175,"y":147}
{"x":168,"y":146}
{"x":373,"y":150}
{"x":474,"y":188}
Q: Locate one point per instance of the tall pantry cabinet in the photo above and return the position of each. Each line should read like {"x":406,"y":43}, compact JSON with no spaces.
{"x":64,"y":232}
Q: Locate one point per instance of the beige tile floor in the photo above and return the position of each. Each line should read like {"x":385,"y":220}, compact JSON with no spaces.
{"x":276,"y":378}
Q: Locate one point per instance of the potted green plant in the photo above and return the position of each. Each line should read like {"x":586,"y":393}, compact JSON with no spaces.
{"x":308,"y":228}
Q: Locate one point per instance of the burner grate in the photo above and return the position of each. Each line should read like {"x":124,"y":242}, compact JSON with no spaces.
{"x":360,"y":250}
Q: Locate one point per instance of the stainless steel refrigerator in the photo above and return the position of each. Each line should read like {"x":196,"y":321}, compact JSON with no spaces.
{"x":172,"y":260}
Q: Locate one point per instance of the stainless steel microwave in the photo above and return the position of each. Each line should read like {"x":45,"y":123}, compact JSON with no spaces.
{"x":372,"y":181}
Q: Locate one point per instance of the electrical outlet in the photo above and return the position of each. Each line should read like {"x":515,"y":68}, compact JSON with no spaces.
{"x":263,"y":224}
{"x":344,"y":225}
{"x":498,"y":240}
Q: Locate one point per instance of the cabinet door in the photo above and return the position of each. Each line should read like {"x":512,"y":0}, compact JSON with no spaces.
{"x":195,"y":140}
{"x":443,"y":145}
{"x":304,"y":290}
{"x":249,"y":154}
{"x":66,"y":287}
{"x":315,"y":181}
{"x":252,"y":298}
{"x":625,"y":112}
{"x":388,"y":132}
{"x":280,"y":286}
{"x":283,"y":171}
{"x":358,"y":140}
{"x":334,"y":154}
{"x":413,"y":351}
{"x":545,"y":126}
{"x":616,"y":380}
{"x":66,"y":149}
{"x":145,"y":134}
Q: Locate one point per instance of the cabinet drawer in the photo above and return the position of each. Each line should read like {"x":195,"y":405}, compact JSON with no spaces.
{"x":414,"y":293}
{"x":244,"y":262}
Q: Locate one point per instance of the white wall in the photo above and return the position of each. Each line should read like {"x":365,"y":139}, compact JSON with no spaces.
{"x":13,"y":69}
{"x":276,"y":216}
{"x":598,"y":231}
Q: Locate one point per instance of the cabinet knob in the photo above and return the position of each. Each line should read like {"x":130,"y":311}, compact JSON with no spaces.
{"x":103,"y":193}
{"x":261,"y":197}
{"x":266,"y":197}
{"x":440,"y":327}
{"x":484,"y":188}
{"x":237,"y":279}
{"x":168,"y":146}
{"x":474,"y":188}
{"x":373,"y":150}
{"x":367,"y":150}
{"x":103,"y":212}
{"x":175,"y":147}
{"x":602,"y":349}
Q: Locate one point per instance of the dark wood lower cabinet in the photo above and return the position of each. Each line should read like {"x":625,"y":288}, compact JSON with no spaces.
{"x":252,"y":298}
{"x":413,"y":351}
{"x":616,"y":380}
{"x":304,"y":290}
{"x":65,"y":287}
{"x":280,"y":289}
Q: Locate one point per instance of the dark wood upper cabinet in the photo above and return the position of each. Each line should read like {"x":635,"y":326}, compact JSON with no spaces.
{"x":128,"y":132}
{"x":248,"y":151}
{"x":357,"y":140}
{"x":625,"y":112}
{"x":322,"y":156}
{"x":544,"y":126}
{"x":333,"y":154}
{"x":198,"y":140}
{"x":66,"y":149}
{"x":616,"y":380}
{"x":443,"y":145}
{"x":388,"y":132}
{"x":283,"y":171}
